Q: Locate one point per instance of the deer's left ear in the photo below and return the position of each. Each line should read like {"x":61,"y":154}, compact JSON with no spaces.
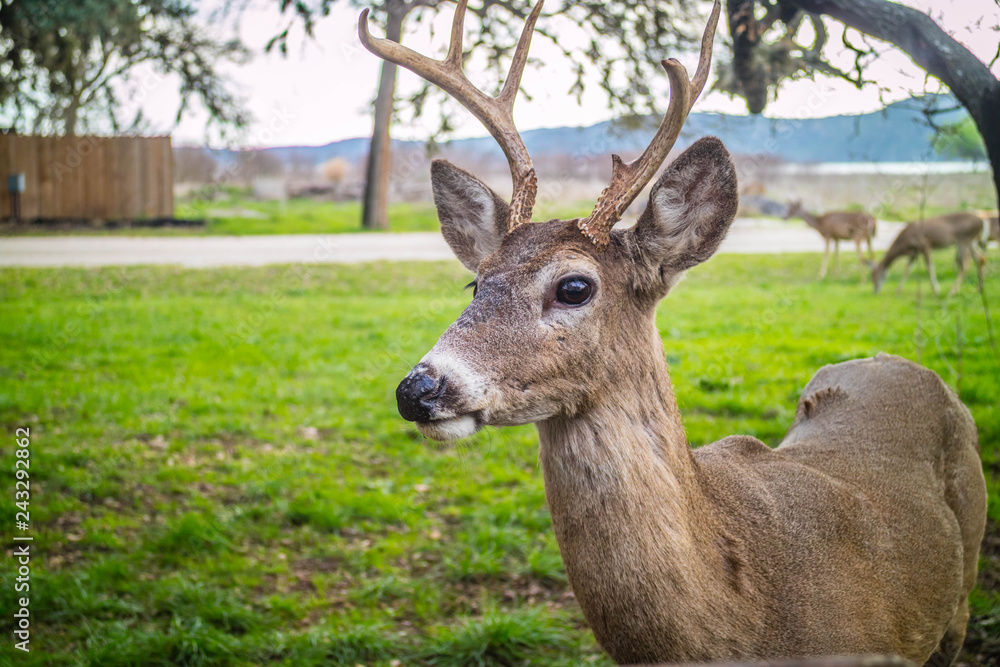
{"x":690,"y":209}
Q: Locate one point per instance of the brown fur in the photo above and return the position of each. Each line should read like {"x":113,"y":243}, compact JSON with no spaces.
{"x":843,"y":661}
{"x":838,"y":226}
{"x":962,"y":230}
{"x":859,"y":534}
{"x":994,"y":231}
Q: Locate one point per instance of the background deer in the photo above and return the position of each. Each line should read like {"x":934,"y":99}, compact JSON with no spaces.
{"x":859,"y":534}
{"x":963,"y":230}
{"x":838,"y":226}
{"x":991,"y":231}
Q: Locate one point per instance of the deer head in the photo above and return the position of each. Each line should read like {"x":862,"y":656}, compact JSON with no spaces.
{"x":561,"y":309}
{"x":795,"y":209}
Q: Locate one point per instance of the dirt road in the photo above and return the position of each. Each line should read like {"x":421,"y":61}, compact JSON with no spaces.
{"x":749,"y":236}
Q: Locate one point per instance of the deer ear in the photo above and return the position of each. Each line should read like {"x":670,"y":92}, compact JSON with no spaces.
{"x":473,"y":217}
{"x":690,"y":209}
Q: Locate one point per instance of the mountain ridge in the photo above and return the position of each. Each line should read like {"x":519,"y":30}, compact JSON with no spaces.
{"x":898,"y":133}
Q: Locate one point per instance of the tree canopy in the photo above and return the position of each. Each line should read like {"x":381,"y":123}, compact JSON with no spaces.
{"x":623,"y":45}
{"x":623,"y":42}
{"x":71,"y":67}
{"x":769,"y":46}
{"x":960,"y":140}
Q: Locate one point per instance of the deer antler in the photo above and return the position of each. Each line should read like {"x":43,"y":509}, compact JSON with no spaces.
{"x":628,"y":180}
{"x":496,"y":113}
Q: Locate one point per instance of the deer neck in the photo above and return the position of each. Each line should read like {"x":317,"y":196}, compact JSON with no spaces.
{"x":810,"y":219}
{"x":883,"y":264}
{"x":900,"y":246}
{"x":630,"y":439}
{"x":629,"y":507}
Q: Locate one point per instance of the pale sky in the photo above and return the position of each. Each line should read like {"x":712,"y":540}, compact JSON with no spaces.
{"x":322,"y":90}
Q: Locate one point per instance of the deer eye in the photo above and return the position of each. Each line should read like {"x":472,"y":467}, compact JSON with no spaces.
{"x":574,"y":291}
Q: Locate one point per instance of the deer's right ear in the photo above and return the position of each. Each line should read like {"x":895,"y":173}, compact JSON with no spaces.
{"x":473,"y":217}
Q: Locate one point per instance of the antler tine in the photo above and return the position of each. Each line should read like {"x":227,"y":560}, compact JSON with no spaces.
{"x":513,"y":82}
{"x":705,"y":57}
{"x":628,"y":180}
{"x":495,"y":113}
{"x":454,"y":57}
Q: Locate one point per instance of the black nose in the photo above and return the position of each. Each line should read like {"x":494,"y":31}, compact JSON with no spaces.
{"x":416,"y":396}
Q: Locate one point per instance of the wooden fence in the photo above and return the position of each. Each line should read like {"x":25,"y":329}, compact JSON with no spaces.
{"x":101,"y":178}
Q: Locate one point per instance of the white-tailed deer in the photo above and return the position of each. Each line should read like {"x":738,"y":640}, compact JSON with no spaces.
{"x":962,"y":230}
{"x":991,"y":231}
{"x":838,"y":226}
{"x":859,"y":534}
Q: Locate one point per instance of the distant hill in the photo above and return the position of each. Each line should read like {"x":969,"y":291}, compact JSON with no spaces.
{"x":898,"y":133}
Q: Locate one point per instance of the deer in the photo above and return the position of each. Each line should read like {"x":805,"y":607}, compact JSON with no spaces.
{"x":991,"y":231}
{"x":921,"y":238}
{"x":837,"y":226}
{"x":859,"y":534}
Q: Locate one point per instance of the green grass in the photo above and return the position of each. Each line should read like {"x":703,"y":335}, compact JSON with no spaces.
{"x":220,"y":477}
{"x":911,"y":211}
{"x":300,"y":216}
{"x":235,"y":213}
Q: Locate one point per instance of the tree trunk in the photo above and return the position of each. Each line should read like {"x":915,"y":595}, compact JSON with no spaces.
{"x":70,"y":117}
{"x":375,"y":212}
{"x":930,"y":47}
{"x":990,"y":131}
{"x":749,"y":71}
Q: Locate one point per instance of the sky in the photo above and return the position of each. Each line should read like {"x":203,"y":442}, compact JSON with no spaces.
{"x":321,"y":91}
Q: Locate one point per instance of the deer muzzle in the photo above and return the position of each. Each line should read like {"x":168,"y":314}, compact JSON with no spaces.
{"x":433,"y":398}
{"x":418,"y":394}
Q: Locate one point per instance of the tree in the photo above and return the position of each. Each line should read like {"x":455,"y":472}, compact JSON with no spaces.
{"x":960,"y":140}
{"x":766,"y":51}
{"x":194,"y":164}
{"x":67,"y":67}
{"x":626,"y":41}
{"x":334,"y":171}
{"x":257,"y":163}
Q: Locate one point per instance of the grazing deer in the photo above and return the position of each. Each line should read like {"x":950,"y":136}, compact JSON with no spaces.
{"x":991,"y":231}
{"x":833,"y":661}
{"x":837,"y":226}
{"x":859,"y":534}
{"x":962,"y":230}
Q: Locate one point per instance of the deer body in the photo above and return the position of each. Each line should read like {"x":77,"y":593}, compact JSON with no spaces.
{"x":737,"y":551}
{"x":920,"y":239}
{"x":838,"y":226}
{"x":859,"y":534}
{"x":991,"y":231}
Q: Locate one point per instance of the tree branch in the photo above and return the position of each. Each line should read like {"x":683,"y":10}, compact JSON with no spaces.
{"x":918,"y":36}
{"x":934,"y":50}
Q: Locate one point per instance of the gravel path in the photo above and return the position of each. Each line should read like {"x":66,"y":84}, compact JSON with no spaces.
{"x":749,"y":236}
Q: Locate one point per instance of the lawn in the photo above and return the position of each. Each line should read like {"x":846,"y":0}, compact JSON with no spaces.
{"x":237,"y":214}
{"x":240,"y":215}
{"x":219,"y":475}
{"x":235,"y":211}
